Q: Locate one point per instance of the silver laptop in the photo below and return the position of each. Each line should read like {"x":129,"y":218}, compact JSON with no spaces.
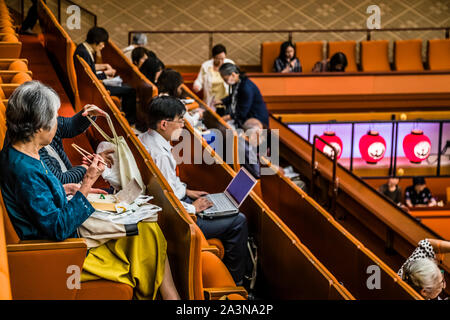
{"x":228,"y":202}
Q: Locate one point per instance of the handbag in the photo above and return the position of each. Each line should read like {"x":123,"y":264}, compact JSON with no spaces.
{"x":126,"y":168}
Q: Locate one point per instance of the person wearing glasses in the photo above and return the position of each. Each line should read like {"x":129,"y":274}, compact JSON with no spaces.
{"x":421,"y":269}
{"x":165,"y":119}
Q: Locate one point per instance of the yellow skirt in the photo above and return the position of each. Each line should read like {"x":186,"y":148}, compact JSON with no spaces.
{"x":136,"y":260}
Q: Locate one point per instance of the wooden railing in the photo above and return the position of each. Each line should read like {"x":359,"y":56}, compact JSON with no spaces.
{"x":288,"y":32}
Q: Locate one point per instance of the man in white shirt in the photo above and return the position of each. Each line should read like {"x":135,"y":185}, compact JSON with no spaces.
{"x":166,"y":123}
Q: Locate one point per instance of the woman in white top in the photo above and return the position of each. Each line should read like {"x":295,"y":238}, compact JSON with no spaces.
{"x":209,"y":79}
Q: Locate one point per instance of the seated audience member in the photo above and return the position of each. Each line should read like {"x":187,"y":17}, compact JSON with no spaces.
{"x":139,"y":40}
{"x":245,"y":100}
{"x":337,"y":63}
{"x":166,"y":123}
{"x":55,"y":157}
{"x":140,"y":54}
{"x":170,"y":84}
{"x":151,"y":69}
{"x":253,"y":132}
{"x":287,"y":61}
{"x":209,"y":79}
{"x":392,"y":190}
{"x":38,"y":207}
{"x":421,"y":270}
{"x":418,"y":195}
{"x":95,"y":42}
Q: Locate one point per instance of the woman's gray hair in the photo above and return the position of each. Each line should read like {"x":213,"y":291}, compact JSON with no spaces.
{"x":423,"y":274}
{"x":139,"y":39}
{"x":32,"y":106}
{"x":228,"y":68}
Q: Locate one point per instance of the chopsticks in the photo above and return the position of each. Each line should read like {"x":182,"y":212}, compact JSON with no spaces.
{"x":85,"y":153}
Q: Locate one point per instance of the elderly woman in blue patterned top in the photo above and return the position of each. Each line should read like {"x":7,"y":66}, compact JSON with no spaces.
{"x":38,"y":207}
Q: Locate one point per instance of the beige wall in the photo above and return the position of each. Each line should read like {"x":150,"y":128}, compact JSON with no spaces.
{"x":121,"y":16}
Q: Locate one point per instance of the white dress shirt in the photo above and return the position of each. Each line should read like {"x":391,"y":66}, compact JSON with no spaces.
{"x":161,"y":152}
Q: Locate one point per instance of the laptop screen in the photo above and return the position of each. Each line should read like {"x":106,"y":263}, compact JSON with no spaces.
{"x":240,"y":186}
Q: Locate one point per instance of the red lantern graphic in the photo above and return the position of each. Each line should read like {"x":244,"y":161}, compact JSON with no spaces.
{"x":417,"y":146}
{"x":334,"y":140}
{"x":372,"y":147}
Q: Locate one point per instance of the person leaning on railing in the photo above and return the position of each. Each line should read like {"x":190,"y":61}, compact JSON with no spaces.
{"x":245,"y":100}
{"x":37,"y":203}
{"x":421,"y":270}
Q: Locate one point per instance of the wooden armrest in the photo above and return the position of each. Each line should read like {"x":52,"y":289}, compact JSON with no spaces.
{"x":31,"y":245}
{"x":217,"y":293}
{"x":212,"y":249}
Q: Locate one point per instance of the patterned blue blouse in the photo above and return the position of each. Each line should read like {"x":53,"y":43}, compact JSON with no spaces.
{"x":36,"y":201}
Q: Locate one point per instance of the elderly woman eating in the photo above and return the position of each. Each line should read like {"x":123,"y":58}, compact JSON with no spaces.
{"x":37,"y":204}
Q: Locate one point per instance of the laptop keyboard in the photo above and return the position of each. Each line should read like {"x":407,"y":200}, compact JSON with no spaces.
{"x":221,"y":203}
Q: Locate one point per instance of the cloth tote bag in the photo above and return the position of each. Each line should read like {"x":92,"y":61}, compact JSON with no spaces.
{"x":127,"y":166}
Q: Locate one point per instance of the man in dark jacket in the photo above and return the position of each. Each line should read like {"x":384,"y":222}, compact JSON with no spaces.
{"x":95,"y":42}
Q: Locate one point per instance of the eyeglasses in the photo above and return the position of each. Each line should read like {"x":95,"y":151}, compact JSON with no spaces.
{"x":179,"y":121}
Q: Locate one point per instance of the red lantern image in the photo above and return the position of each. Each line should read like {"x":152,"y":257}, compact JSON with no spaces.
{"x":417,"y":146}
{"x":334,"y":140}
{"x":372,"y":147}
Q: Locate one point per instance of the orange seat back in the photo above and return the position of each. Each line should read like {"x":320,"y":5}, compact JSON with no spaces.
{"x":346,"y":47}
{"x":309,"y":52}
{"x":439,"y":54}
{"x":9,"y":38}
{"x":408,"y":55}
{"x":2,"y":94}
{"x":269,"y":52}
{"x":5,"y":284}
{"x":18,"y":65}
{"x":375,"y":55}
{"x":20,"y":78}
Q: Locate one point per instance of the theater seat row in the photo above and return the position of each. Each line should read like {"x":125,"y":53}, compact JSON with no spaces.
{"x":374,"y":55}
{"x":10,"y":46}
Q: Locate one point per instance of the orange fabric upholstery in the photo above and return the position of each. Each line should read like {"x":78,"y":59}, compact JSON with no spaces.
{"x":309,"y":52}
{"x":20,"y":78}
{"x":7,"y":29}
{"x":2,"y":94}
{"x":346,"y":47}
{"x":2,"y":124}
{"x":104,"y":290}
{"x":10,"y":50}
{"x":375,"y":55}
{"x":5,"y":285}
{"x":269,"y":52}
{"x":234,"y":296}
{"x":408,"y":55}
{"x":439,"y":54}
{"x":218,"y":244}
{"x":9,"y":38}
{"x":1,"y":80}
{"x":18,"y":65}
{"x":214,"y":272}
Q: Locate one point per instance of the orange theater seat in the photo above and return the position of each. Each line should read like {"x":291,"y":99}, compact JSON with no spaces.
{"x":1,"y":80}
{"x":439,"y":54}
{"x":408,"y":55}
{"x":269,"y":52}
{"x":2,"y":94}
{"x":18,"y":65}
{"x":309,"y":52}
{"x":7,"y":29}
{"x":20,"y":78}
{"x":346,"y":47}
{"x":9,"y":38}
{"x":375,"y":55}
